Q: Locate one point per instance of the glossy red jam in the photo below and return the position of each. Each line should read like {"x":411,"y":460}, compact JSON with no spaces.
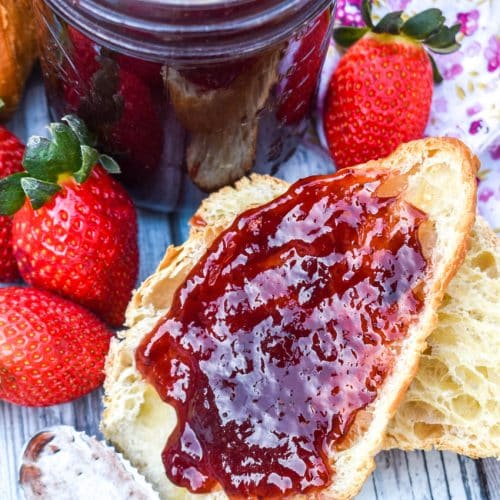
{"x":282,"y":332}
{"x":186,"y":121}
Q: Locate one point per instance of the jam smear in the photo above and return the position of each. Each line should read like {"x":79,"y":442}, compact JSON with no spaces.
{"x":282,"y":332}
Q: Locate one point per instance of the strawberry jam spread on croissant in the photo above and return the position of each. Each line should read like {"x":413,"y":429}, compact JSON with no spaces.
{"x":282,"y":332}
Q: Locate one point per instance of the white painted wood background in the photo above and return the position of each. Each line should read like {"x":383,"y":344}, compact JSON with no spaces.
{"x":399,"y":475}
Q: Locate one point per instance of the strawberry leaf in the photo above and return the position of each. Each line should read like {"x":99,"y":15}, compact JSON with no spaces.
{"x":90,"y":157}
{"x":2,"y":104}
{"x":390,"y":23}
{"x":39,"y":192}
{"x":42,"y":160}
{"x":11,"y":194}
{"x":67,"y":145}
{"x":109,"y":164}
{"x":444,"y":38}
{"x":423,"y":24}
{"x":46,"y":159}
{"x":78,"y":126}
{"x":346,"y":36}
{"x":445,"y":50}
{"x":366,"y":13}
{"x":436,"y":74}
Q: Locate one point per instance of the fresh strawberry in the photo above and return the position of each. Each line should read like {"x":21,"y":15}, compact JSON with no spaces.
{"x":85,"y":53}
{"x":11,"y":155}
{"x":76,"y":234}
{"x":136,"y":137}
{"x":51,"y":350}
{"x":84,"y":56}
{"x":301,"y":79}
{"x":148,"y":71}
{"x":380,"y":94}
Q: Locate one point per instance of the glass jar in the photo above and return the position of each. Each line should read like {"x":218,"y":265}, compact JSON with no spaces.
{"x":185,"y":93}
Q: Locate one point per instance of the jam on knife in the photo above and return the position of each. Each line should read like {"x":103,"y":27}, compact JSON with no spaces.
{"x":283,"y":332}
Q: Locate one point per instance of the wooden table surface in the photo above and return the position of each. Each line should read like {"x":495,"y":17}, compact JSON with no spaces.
{"x":399,"y":475}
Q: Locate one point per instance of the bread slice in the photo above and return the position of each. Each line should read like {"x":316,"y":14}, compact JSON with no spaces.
{"x":222,"y":157}
{"x":223,"y":122}
{"x":454,"y":401}
{"x":435,"y":175}
{"x":205,"y":110}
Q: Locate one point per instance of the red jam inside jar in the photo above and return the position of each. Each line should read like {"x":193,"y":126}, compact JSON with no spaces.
{"x":188,"y":98}
{"x":283,"y":332}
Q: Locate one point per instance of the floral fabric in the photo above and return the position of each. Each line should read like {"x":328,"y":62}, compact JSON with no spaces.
{"x":467,"y":104}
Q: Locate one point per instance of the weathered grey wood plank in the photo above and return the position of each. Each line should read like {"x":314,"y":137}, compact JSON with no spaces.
{"x":369,"y":491}
{"x":437,"y":474}
{"x":155,"y":234}
{"x":489,"y":472}
{"x":179,"y":222}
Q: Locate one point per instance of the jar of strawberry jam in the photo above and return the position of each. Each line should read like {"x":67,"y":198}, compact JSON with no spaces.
{"x":188,"y":95}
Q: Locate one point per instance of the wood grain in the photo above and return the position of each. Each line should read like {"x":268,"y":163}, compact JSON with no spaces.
{"x":399,"y":475}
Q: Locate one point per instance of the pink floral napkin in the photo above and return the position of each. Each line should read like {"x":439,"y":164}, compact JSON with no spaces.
{"x":467,"y":104}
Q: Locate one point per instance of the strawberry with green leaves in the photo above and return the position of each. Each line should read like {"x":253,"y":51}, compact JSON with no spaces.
{"x":380,"y":94}
{"x":11,"y":155}
{"x":51,"y":350}
{"x":74,"y":227}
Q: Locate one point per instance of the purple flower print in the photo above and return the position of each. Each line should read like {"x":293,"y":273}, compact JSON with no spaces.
{"x":489,"y":198}
{"x":440,"y":105}
{"x":474,"y":109}
{"x":478,"y":126}
{"x":486,"y":194}
{"x":473,"y":49}
{"x":492,"y":53}
{"x":348,"y":13}
{"x":452,"y":71}
{"x":468,"y":21}
{"x":450,"y":65}
{"x":494,"y":150}
{"x":398,"y":4}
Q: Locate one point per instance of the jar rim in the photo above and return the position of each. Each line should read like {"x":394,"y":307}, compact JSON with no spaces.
{"x":161,"y":30}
